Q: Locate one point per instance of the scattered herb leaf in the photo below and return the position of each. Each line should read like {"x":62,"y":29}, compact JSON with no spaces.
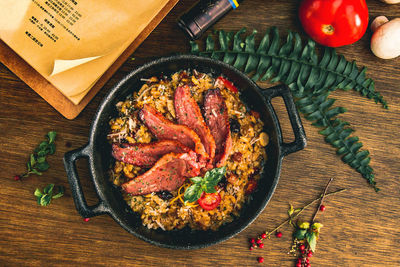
{"x":45,"y":198}
{"x":37,"y":161}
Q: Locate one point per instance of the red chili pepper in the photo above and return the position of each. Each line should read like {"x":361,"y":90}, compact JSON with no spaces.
{"x":334,"y":22}
{"x":209,"y":201}
{"x":228,"y":84}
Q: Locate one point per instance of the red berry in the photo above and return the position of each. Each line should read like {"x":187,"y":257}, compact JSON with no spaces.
{"x":309,"y":254}
{"x":278,"y":234}
{"x":264,"y":235}
{"x":298,"y":264}
{"x":252,"y":241}
{"x":302,"y":247}
{"x":308,"y":265}
{"x":86,"y":219}
{"x":299,"y":260}
{"x":261,"y":245}
{"x":322,"y":208}
{"x":259,"y":241}
{"x":251,"y":248}
{"x":17,"y":177}
{"x":260,"y":259}
{"x":253,"y":245}
{"x":307,"y":261}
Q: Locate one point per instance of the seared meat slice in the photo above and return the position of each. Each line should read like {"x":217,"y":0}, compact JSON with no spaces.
{"x":146,"y":154}
{"x":188,"y":113}
{"x":165,"y":129}
{"x":169,"y":173}
{"x":216,"y":116}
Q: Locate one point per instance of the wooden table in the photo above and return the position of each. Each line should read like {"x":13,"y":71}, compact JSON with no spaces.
{"x":361,"y":227}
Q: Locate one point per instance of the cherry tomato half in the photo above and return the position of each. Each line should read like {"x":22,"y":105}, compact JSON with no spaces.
{"x":226,"y":83}
{"x":209,"y":201}
{"x":334,"y":22}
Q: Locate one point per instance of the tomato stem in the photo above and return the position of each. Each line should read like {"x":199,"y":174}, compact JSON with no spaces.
{"x":328,"y":29}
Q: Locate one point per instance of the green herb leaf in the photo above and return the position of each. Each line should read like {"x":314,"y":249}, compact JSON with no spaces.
{"x":43,"y":166}
{"x":35,"y":172}
{"x":191,"y":193}
{"x":52,"y":136}
{"x":60,"y":192}
{"x":32,"y":160}
{"x":311,"y":238}
{"x":48,"y":190}
{"x":44,"y":198}
{"x":41,"y":159}
{"x":51,"y":148}
{"x":196,"y":180}
{"x":37,"y":193}
{"x":300,"y":234}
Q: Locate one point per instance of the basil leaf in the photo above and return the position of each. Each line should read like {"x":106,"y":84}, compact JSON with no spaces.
{"x":210,"y":188}
{"x":48,"y":190}
{"x":37,"y":193}
{"x":42,"y":166}
{"x":196,"y":180}
{"x":215,"y":174}
{"x":42,"y":153}
{"x":60,"y":192}
{"x":52,"y":136}
{"x":191,"y":193}
{"x":311,"y":240}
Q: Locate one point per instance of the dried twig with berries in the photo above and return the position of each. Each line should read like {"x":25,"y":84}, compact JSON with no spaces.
{"x":306,"y":234}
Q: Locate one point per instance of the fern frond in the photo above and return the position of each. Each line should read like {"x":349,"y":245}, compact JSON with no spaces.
{"x":309,"y":77}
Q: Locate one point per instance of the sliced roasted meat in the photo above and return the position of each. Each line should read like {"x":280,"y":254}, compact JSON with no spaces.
{"x":165,"y":129}
{"x":216,"y":116}
{"x":169,"y":173}
{"x":146,"y":155}
{"x":188,"y":113}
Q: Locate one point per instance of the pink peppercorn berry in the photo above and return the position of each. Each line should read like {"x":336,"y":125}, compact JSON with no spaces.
{"x":17,"y":177}
{"x":278,"y":234}
{"x":258,"y":241}
{"x":322,"y":208}
{"x":86,"y":219}
{"x":252,"y":240}
{"x":264,"y":235}
{"x":260,"y":259}
{"x":261,"y":245}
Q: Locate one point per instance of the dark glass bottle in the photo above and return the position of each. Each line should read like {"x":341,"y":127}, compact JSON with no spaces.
{"x":204,"y":14}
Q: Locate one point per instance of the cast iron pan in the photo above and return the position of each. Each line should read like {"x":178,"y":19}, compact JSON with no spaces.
{"x":98,"y":153}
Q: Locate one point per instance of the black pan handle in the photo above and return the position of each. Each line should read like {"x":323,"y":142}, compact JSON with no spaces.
{"x":80,"y":202}
{"x":300,"y":141}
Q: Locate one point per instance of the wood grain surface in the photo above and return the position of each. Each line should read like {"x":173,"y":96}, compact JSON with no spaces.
{"x":361,"y":227}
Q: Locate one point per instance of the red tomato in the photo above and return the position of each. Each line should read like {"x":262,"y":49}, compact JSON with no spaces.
{"x":209,"y":201}
{"x":334,"y":22}
{"x":228,"y":84}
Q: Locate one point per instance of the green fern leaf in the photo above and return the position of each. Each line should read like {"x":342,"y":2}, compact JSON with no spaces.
{"x":311,"y":78}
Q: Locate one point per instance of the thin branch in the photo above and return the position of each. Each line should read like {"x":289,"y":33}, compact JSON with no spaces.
{"x":302,"y":209}
{"x":322,"y":199}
